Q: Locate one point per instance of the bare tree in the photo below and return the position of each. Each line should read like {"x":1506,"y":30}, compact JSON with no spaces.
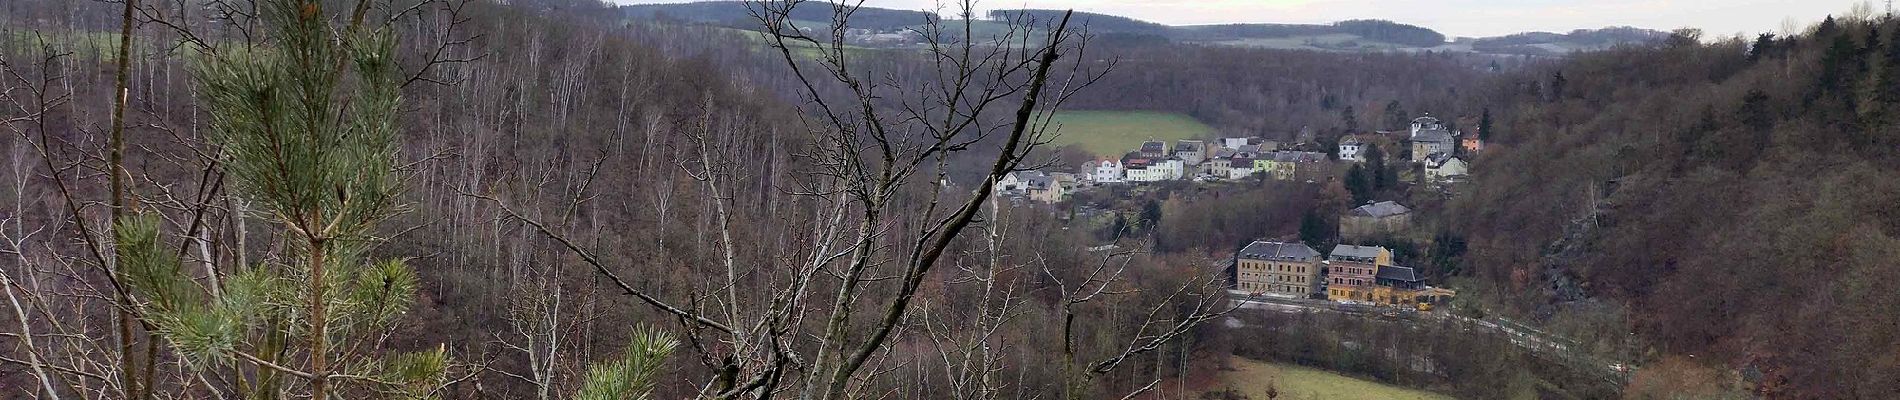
{"x":819,"y":313}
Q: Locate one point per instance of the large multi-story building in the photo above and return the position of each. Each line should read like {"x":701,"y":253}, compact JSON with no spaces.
{"x":1288,"y":269}
{"x":1352,"y":271}
{"x":1430,"y":137}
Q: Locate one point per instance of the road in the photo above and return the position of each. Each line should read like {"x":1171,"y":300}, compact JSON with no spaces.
{"x":1536,"y":341}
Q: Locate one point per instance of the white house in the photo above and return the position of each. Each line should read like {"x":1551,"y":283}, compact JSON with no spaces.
{"x":1191,"y":152}
{"x":1107,"y":171}
{"x":1020,"y":182}
{"x":1240,"y":166}
{"x":1148,"y":173}
{"x":1349,"y":148}
{"x":1235,"y":142}
{"x":1164,"y":170}
{"x":1442,"y":167}
{"x":1217,"y":166}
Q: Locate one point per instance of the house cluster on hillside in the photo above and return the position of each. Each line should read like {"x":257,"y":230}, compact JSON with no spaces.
{"x":1348,"y":273}
{"x":1037,"y":185}
{"x":1229,"y":158}
{"x":1431,"y":143}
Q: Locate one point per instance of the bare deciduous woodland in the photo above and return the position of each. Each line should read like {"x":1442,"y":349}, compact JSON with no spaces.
{"x":543,"y":186}
{"x":548,"y":199}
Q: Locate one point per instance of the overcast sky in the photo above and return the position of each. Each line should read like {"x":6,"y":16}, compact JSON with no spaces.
{"x":1451,"y":17}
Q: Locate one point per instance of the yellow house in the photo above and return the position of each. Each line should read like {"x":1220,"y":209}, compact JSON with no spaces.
{"x":1284,"y":269}
{"x":1285,"y":165}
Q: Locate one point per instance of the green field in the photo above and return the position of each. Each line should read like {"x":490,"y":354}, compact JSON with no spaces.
{"x":1113,"y":133}
{"x":1331,"y":42}
{"x":1252,"y":378}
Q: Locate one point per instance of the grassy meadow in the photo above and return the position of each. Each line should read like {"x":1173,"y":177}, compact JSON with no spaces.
{"x":1251,"y":378}
{"x":1113,"y":133}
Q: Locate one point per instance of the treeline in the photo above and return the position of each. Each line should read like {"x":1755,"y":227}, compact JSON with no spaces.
{"x":1277,"y":93}
{"x":1103,"y":23}
{"x":737,"y":14}
{"x":1736,"y":196}
{"x":1594,"y":37}
{"x":1380,"y":30}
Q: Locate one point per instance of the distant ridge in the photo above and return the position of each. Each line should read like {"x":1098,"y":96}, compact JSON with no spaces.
{"x":1349,"y":35}
{"x":735,"y":14}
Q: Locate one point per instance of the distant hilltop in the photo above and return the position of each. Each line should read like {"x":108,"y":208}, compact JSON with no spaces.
{"x":1370,"y":35}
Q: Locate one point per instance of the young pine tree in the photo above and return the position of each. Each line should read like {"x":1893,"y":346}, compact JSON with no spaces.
{"x":307,"y":125}
{"x":633,"y":376}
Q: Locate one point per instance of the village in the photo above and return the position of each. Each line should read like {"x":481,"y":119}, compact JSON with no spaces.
{"x":1287,"y":269}
{"x":1430,"y":144}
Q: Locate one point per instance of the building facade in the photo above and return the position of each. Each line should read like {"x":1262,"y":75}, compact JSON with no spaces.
{"x":1154,"y":171}
{"x":1154,"y":149}
{"x":1350,"y":149}
{"x":1396,"y":285}
{"x":1285,"y":165}
{"x":1191,"y":152}
{"x":1374,"y":219}
{"x":1429,"y":137}
{"x":1352,"y":271}
{"x":1107,"y":171}
{"x":1445,"y":167}
{"x":1277,"y":268}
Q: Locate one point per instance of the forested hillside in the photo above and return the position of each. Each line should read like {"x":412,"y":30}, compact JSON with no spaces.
{"x":574,"y":199}
{"x":1547,"y":43}
{"x":564,"y":191}
{"x":1277,"y":93}
{"x":1736,"y":199}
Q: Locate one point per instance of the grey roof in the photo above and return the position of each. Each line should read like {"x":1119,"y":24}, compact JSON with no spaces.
{"x":1252,"y":148}
{"x":1432,"y":135}
{"x":1263,"y":250}
{"x":1297,"y":156}
{"x":1357,"y":251}
{"x":1034,"y":178}
{"x":1350,"y":139}
{"x":1154,"y":146}
{"x":1425,"y":119}
{"x":1438,"y":158}
{"x":1381,"y":209}
{"x":1398,"y":273}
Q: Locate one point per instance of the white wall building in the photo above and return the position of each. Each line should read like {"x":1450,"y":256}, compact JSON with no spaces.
{"x":1161,"y":171}
{"x":1145,"y":174}
{"x":1350,"y":149}
{"x":1240,"y":168}
{"x":1107,"y":171}
{"x":1445,"y":167}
